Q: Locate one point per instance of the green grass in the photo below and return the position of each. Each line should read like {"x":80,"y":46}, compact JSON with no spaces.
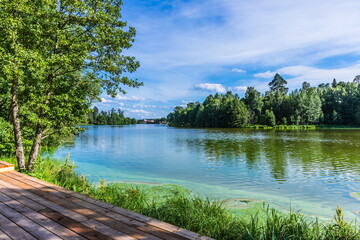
{"x":282,"y":127}
{"x":339,"y":126}
{"x":178,"y":206}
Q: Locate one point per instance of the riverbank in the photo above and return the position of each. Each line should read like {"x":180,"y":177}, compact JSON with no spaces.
{"x":281,"y":127}
{"x":176,"y":205}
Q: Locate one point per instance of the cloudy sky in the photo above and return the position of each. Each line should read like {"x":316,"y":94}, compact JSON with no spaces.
{"x":191,"y":48}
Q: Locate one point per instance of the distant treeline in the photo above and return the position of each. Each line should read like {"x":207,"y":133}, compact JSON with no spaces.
{"x":111,"y":117}
{"x":331,"y":104}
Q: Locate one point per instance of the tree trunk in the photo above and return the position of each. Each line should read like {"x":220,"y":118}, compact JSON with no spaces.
{"x":38,"y":133}
{"x":35,"y":147}
{"x":16,"y":124}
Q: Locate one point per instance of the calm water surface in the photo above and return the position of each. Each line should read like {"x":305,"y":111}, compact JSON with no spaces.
{"x":311,"y":170}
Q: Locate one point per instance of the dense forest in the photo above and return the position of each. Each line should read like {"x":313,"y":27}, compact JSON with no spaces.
{"x":111,"y":117}
{"x":337,"y":103}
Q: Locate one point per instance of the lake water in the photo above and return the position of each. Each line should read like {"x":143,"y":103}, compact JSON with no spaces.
{"x":308,"y":170}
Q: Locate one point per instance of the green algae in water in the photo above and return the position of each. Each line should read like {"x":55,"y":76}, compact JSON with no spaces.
{"x":355,"y":195}
{"x":158,"y":193}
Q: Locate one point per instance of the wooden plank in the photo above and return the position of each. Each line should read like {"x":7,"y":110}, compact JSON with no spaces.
{"x":6,"y":169}
{"x":45,"y":222}
{"x":13,"y":230}
{"x":27,"y":224}
{"x":54,"y":202}
{"x":4,"y":236}
{"x":148,"y":220}
{"x":5,"y":164}
{"x":8,"y":183}
{"x":75,"y":226}
{"x":89,"y":224}
{"x":114,"y":234}
{"x":122,"y":223}
{"x":67,"y":201}
{"x":99,"y":225}
{"x":20,"y":198}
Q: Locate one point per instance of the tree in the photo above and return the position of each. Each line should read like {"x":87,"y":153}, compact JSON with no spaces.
{"x":278,"y":84}
{"x":357,"y":79}
{"x":51,"y":48}
{"x":254,"y":103}
{"x":238,"y":114}
{"x":308,"y":105}
{"x":269,"y":118}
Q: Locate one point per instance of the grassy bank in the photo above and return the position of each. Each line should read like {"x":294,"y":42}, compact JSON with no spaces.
{"x":282,"y":127}
{"x":178,"y":206}
{"x":339,"y":126}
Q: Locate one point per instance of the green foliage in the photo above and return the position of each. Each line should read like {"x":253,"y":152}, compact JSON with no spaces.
{"x":254,"y":103}
{"x":216,"y":111}
{"x":197,"y":214}
{"x":57,"y":57}
{"x":278,"y":84}
{"x":6,"y":138}
{"x":111,"y":117}
{"x":269,"y":118}
{"x":335,"y":104}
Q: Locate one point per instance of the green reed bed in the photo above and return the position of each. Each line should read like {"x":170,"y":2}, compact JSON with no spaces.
{"x":201,"y":215}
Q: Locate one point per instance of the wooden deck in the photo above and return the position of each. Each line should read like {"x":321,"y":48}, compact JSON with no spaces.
{"x":34,"y":209}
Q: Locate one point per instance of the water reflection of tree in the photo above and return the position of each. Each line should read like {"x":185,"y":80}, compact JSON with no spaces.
{"x":321,"y":152}
{"x":303,"y":154}
{"x":222,"y":151}
{"x":275,"y":151}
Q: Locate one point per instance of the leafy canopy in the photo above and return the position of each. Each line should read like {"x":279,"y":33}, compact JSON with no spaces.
{"x":63,"y":54}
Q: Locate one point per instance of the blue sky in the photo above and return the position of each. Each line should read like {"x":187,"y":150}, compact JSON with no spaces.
{"x":191,"y":48}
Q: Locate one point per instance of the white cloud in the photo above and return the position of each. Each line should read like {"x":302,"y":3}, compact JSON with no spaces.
{"x":267,"y":74}
{"x":299,"y":74}
{"x":132,"y":98}
{"x":106,"y":102}
{"x":186,"y":101}
{"x":140,"y":105}
{"x":141,"y":111}
{"x":238,"y":70}
{"x":153,"y":106}
{"x":211,"y":87}
{"x":267,"y":31}
{"x":239,"y":88}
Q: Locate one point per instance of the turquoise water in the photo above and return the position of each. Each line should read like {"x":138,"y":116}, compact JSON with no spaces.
{"x":308,"y":170}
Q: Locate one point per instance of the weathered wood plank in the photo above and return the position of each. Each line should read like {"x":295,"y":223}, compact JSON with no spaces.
{"x":75,"y":226}
{"x":13,"y":230}
{"x":27,"y":224}
{"x":114,"y":234}
{"x":4,"y":236}
{"x":127,"y":213}
{"x":5,"y":164}
{"x":5,"y":181}
{"x":88,"y":211}
{"x":53,"y":202}
{"x":20,"y":198}
{"x":6,"y":169}
{"x":45,"y":222}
